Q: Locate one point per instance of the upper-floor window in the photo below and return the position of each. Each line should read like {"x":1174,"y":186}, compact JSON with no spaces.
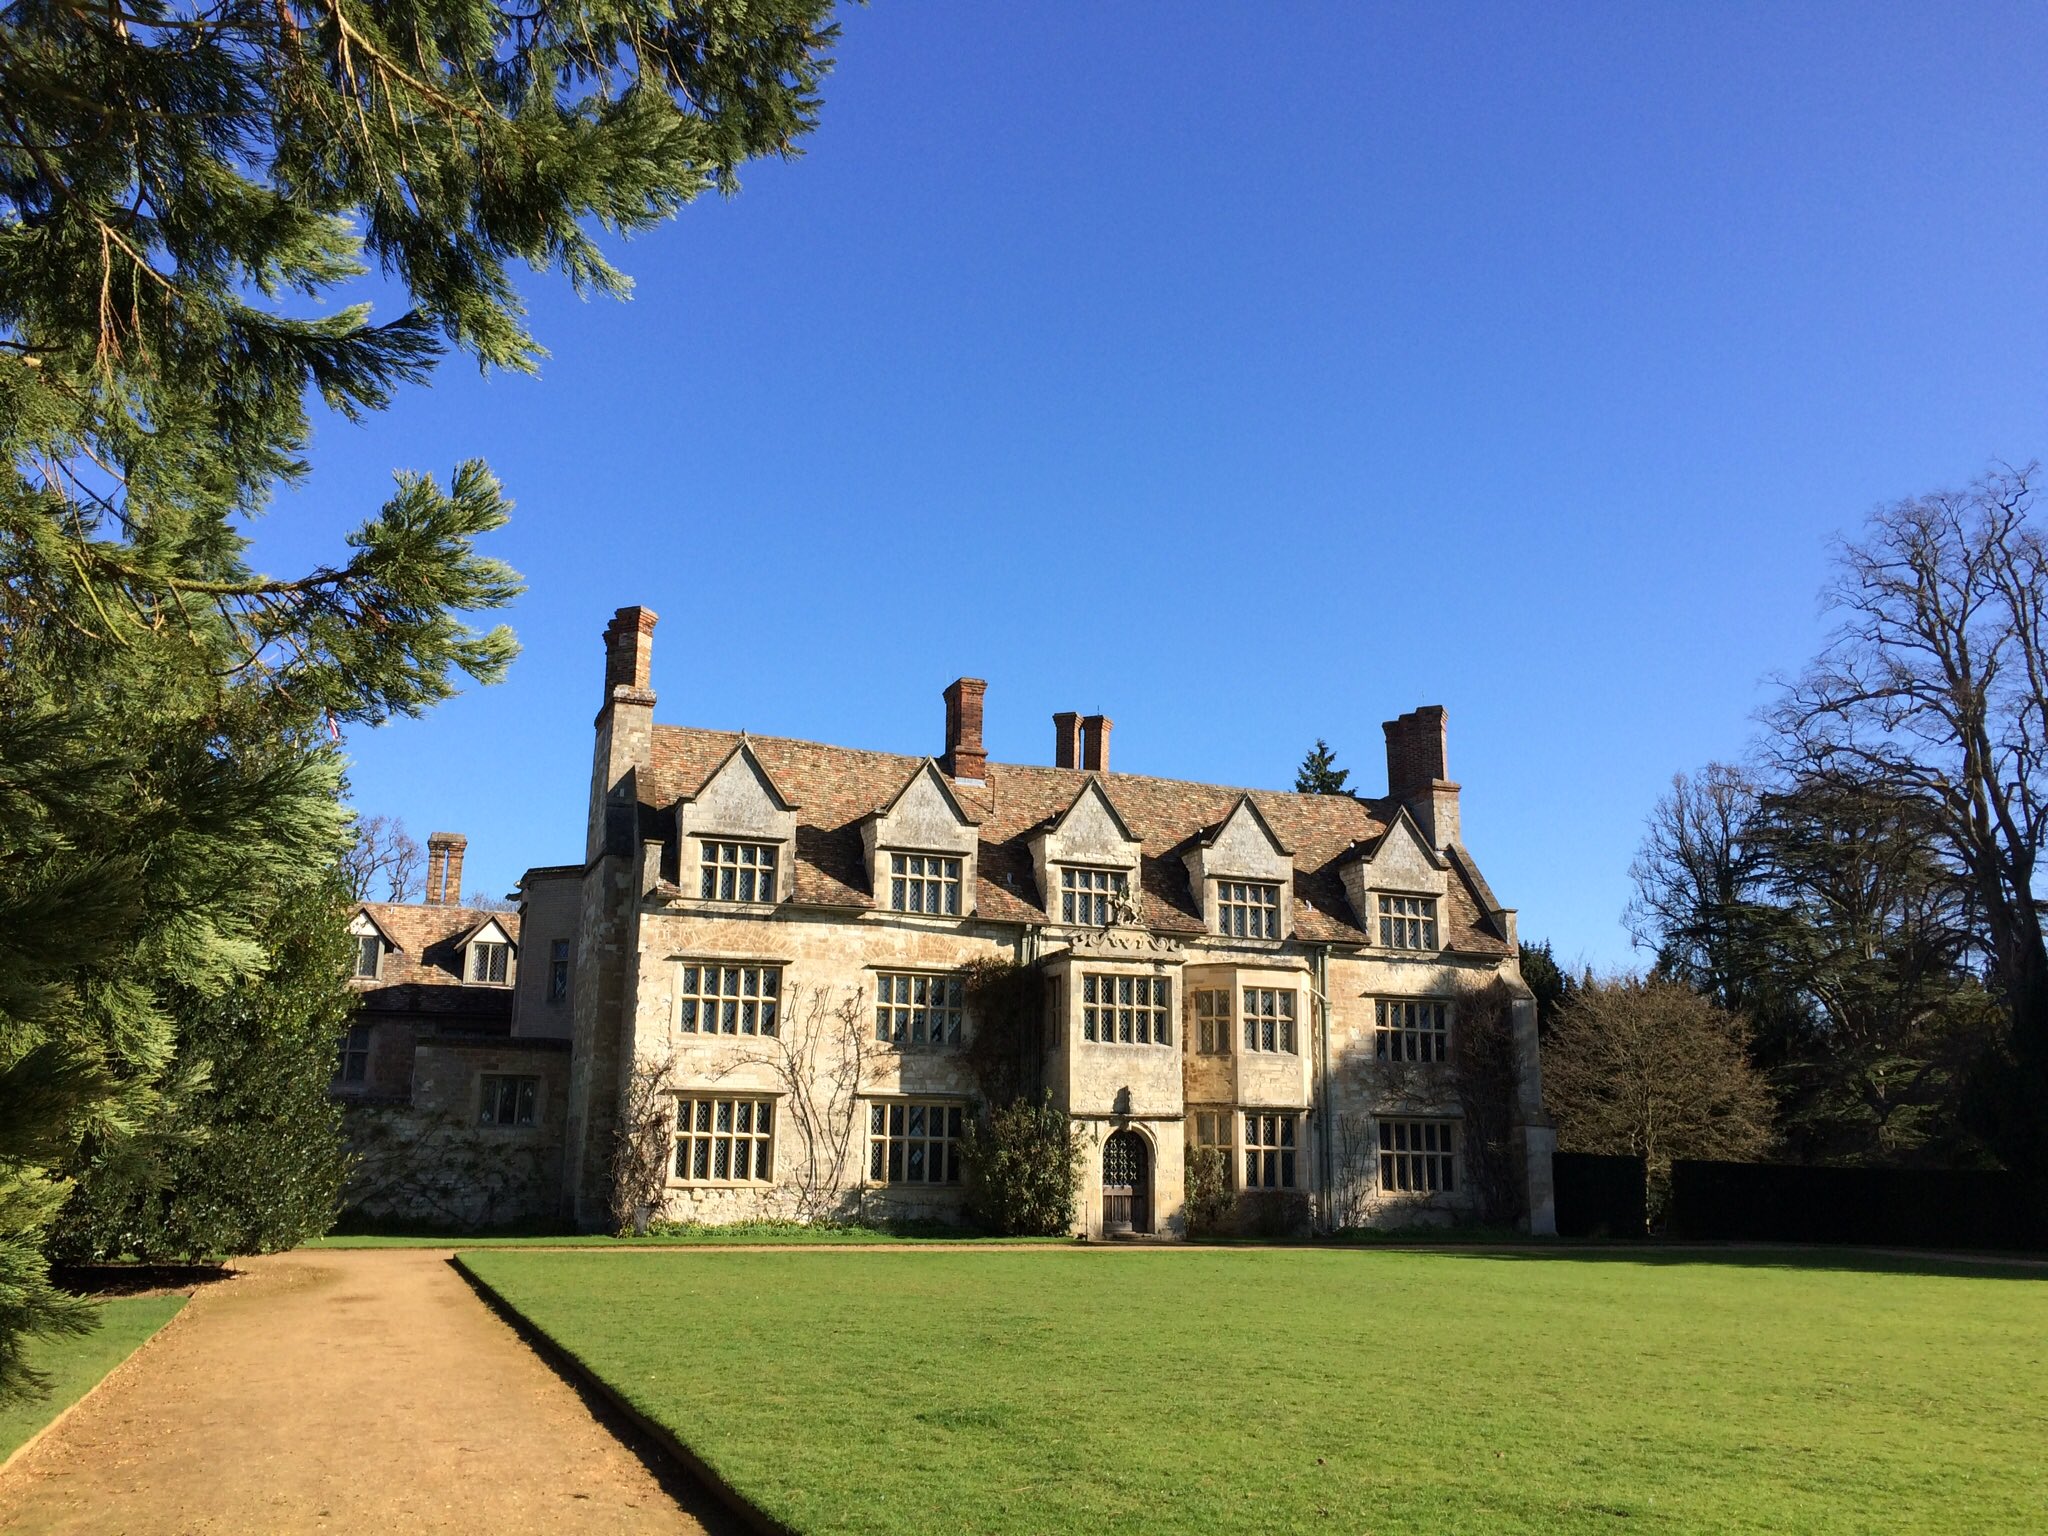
{"x":1125,"y":1010}
{"x":509,"y":1100}
{"x":1268,"y":1019}
{"x":354,"y":1065}
{"x":924,"y":882}
{"x":490,"y":962}
{"x":728,"y":999}
{"x":369,"y":955}
{"x":1087,"y":896}
{"x":913,"y":1142}
{"x":739,"y":872}
{"x":1408,"y":922}
{"x":1417,"y":1157}
{"x":725,"y":1141}
{"x":918,"y":1010}
{"x":1246,"y":910}
{"x":558,"y":971}
{"x":1412,"y":1031}
{"x":1269,"y":1150}
{"x":1212,"y":1021}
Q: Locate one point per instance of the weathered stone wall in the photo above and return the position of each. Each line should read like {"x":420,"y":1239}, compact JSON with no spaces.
{"x":550,"y":913}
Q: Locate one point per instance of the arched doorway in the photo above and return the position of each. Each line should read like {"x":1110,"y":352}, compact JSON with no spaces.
{"x":1126,"y":1184}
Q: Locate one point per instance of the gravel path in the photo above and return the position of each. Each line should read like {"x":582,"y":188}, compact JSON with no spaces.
{"x":339,"y":1391}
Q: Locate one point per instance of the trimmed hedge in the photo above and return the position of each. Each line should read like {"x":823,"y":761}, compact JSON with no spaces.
{"x":1893,"y":1207}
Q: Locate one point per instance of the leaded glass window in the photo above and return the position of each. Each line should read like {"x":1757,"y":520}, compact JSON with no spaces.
{"x":1269,"y":1149}
{"x":1247,"y":911}
{"x":738,"y":872}
{"x":1268,"y":1019}
{"x":1212,"y":1021}
{"x":924,"y":882}
{"x":725,"y":1141}
{"x":508,"y":1100}
{"x":1087,"y":896}
{"x":490,"y":962}
{"x":918,"y":1010}
{"x":1412,"y":1031}
{"x":1125,"y":1010}
{"x":914,"y":1141}
{"x":1418,"y":1157}
{"x":728,"y":999}
{"x":1408,"y":922}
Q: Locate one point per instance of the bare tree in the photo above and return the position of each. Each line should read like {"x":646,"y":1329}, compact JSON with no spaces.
{"x":383,"y":858}
{"x":823,"y":1058}
{"x":1697,"y":870}
{"x":1654,"y":1070}
{"x":1935,"y":684}
{"x":483,"y":901}
{"x":642,"y":1140}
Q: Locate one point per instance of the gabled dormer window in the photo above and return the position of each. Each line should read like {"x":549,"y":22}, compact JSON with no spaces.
{"x":924,"y":882}
{"x":1088,"y":896}
{"x":369,"y":956}
{"x":490,"y":962}
{"x":1247,"y":909}
{"x":1408,"y":922}
{"x":738,"y":872}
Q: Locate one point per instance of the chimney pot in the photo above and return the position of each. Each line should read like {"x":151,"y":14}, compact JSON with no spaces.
{"x":1066,"y":739}
{"x":1095,"y":743}
{"x":964,"y":757}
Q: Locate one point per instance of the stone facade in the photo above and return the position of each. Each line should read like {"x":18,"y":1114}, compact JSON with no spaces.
{"x":766,"y":939}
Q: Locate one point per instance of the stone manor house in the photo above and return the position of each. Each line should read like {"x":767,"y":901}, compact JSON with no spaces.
{"x":760,"y":955}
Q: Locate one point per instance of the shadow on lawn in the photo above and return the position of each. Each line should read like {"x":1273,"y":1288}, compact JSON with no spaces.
{"x":1870,"y":1261}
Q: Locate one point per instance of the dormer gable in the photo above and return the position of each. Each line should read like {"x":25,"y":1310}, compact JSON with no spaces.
{"x":920,"y":848}
{"x":1400,"y":863}
{"x":737,"y":833}
{"x":487,"y":952}
{"x":1089,"y":834}
{"x":1243,"y":875}
{"x":373,"y":941}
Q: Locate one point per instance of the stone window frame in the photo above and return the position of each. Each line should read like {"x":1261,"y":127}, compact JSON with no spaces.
{"x":507,"y":1101}
{"x":558,"y":971}
{"x":930,"y":1129}
{"x":1272,"y":1142}
{"x":1409,"y":1042}
{"x":756,"y":1013}
{"x":702,"y":1134}
{"x":1242,"y":912}
{"x":352,"y":1064}
{"x":1417,"y":1156}
{"x":1079,"y":891}
{"x":1214,"y":1029}
{"x":1408,"y":921}
{"x":748,"y":861}
{"x":953,"y":1009}
{"x":1215,"y":1125}
{"x":369,"y":945}
{"x":910,"y":890}
{"x":1278,"y":1023}
{"x":1144,"y":1018}
{"x":487,"y":956}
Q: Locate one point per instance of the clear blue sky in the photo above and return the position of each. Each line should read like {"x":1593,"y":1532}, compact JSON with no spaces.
{"x":1254,"y":373}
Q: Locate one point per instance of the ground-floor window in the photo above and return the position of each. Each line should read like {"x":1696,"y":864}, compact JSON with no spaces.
{"x":509,"y":1100}
{"x":724,"y":1141}
{"x":1418,"y":1156}
{"x":1213,"y":1130}
{"x":354,"y":1065}
{"x":1269,"y":1148}
{"x":914,"y":1142}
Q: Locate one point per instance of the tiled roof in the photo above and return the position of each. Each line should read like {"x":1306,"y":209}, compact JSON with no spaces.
{"x":838,"y":786}
{"x":424,"y":974}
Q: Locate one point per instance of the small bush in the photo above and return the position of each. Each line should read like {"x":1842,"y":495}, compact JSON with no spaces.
{"x":1210,"y":1208}
{"x":1024,"y":1168}
{"x":1272,"y":1213}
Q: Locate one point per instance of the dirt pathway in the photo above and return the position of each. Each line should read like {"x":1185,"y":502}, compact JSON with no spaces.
{"x":338,"y":1392}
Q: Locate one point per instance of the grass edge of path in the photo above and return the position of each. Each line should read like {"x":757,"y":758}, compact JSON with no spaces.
{"x":84,"y":1364}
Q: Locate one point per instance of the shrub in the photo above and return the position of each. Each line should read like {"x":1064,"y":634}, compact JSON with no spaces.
{"x":1272,"y":1213}
{"x":1024,"y":1167}
{"x":1210,"y":1208}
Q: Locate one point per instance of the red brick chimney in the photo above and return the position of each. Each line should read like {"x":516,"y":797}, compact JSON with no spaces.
{"x":1095,"y":743}
{"x":444,"y":868}
{"x":964,"y":758}
{"x":1415,"y":772}
{"x":1066,"y":740}
{"x":629,"y":652}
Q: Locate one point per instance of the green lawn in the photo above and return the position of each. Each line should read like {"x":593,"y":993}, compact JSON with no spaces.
{"x":739,"y":1233}
{"x":1244,"y":1391}
{"x":75,"y":1365}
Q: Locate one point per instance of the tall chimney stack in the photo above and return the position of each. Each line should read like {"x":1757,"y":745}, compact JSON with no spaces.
{"x":1095,"y":743}
{"x":624,"y":748}
{"x":444,"y":868}
{"x":629,"y":653}
{"x":1415,"y":772}
{"x":964,"y":757}
{"x":1066,"y":740}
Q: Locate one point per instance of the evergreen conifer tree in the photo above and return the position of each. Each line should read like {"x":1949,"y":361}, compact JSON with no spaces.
{"x":182,"y":190}
{"x":1319,"y":773}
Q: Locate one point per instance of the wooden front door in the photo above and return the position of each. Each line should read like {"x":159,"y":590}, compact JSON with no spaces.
{"x":1126,"y":1185}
